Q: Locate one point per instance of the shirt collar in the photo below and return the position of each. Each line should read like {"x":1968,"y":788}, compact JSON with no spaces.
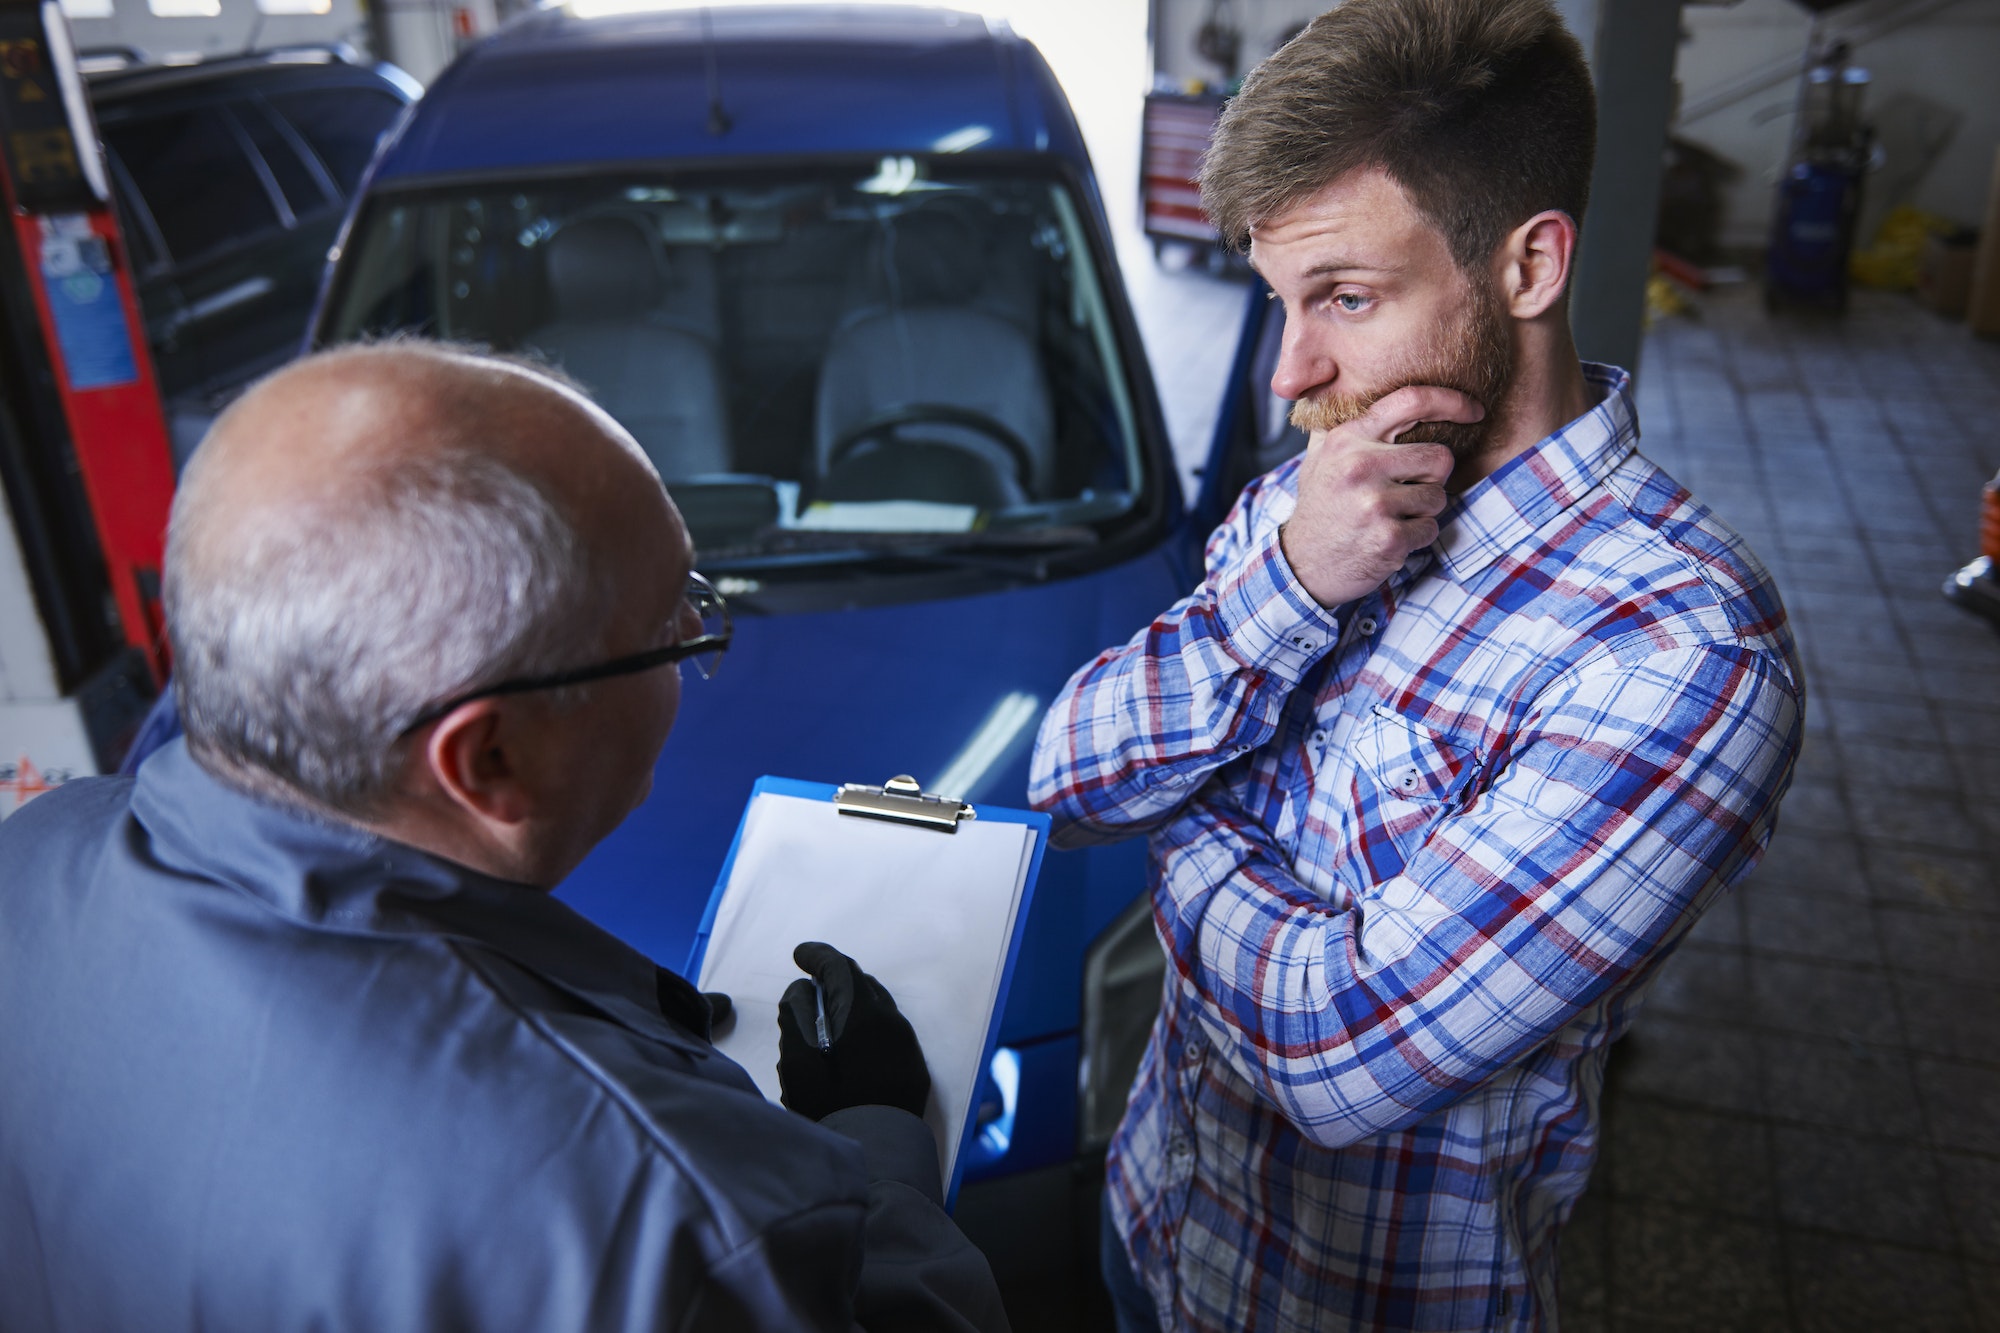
{"x":1501,"y":511}
{"x":337,"y":877}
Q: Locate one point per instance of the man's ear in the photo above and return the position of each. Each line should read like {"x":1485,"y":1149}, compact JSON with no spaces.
{"x":474,"y":756}
{"x":1538,"y":258}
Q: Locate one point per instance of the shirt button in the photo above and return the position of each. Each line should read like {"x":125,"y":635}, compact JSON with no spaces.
{"x":1408,"y":779}
{"x":1179,"y":1149}
{"x":1368,"y":626}
{"x":1192,"y":1052}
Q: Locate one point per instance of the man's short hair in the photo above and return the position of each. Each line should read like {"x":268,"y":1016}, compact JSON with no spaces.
{"x":1481,"y":110}
{"x":298,"y":665}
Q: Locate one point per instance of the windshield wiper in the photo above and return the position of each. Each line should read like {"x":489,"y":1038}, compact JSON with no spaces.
{"x":1022,"y":553}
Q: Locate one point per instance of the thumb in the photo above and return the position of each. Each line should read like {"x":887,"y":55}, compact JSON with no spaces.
{"x":798,"y":1011}
{"x":1396,"y":412}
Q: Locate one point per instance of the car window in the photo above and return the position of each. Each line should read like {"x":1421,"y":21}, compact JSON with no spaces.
{"x":818,"y":364}
{"x":304,"y":185}
{"x":137,"y":230}
{"x":342,"y":125}
{"x":195,"y":179}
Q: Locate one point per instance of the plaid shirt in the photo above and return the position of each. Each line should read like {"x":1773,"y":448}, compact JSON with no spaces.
{"x":1415,"y":859}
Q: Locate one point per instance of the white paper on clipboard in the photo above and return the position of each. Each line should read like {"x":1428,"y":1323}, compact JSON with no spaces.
{"x":930,"y":915}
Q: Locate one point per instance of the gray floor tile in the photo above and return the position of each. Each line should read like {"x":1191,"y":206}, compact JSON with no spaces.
{"x":1954,"y":1019}
{"x":1840,"y":670}
{"x":1958,"y":945}
{"x":1909,"y":768}
{"x":1932,"y":821}
{"x":1840,"y":1085}
{"x":1878,"y":719}
{"x":1963,"y":1103}
{"x":1778,"y":919}
{"x":1931,"y":879}
{"x":1846,"y":610}
{"x":1824,"y":1000}
{"x":1720,"y":926}
{"x":1816,"y":865}
{"x":1810,"y":572}
{"x":1972,"y":728}
{"x":1972,"y":1190}
{"x":1700,"y":982}
{"x":1699,"y":1159}
{"x":1959,"y":683}
{"x":1879,"y":642}
{"x":1695,"y":1269}
{"x":1584,"y":1267}
{"x":1815,"y":807}
{"x":1823,"y":762}
{"x":1699,"y":1064}
{"x":1951,"y":636}
{"x":1849,"y":1286}
{"x":1860,"y":1187}
{"x":1850,"y":453}
{"x":1984,"y":1280}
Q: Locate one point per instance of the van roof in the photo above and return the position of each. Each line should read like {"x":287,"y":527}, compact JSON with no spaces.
{"x":564,"y":87}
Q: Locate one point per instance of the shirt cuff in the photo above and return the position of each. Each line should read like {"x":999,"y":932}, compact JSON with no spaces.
{"x":1272,"y":622}
{"x":895,"y":1145}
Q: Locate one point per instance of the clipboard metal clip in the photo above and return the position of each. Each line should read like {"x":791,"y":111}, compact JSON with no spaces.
{"x":903,"y":800}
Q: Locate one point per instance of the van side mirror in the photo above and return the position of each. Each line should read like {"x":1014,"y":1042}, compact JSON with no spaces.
{"x":1253,"y":431}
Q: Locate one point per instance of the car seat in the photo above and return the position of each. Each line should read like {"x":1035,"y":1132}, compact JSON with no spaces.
{"x":930,"y":354}
{"x":606,"y":277}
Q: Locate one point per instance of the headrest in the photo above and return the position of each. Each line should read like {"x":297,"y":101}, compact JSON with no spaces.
{"x":934,"y":257}
{"x":603,"y":268}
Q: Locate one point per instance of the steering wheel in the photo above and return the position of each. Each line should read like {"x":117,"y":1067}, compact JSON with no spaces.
{"x":945,"y":414}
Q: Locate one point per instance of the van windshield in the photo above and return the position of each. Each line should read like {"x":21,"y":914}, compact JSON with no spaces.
{"x":825,"y":367}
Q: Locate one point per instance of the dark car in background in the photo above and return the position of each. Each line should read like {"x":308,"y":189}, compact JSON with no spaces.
{"x":231,"y":178}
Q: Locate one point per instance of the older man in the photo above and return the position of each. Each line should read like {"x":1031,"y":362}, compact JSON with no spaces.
{"x":1474,"y":713}
{"x":295,"y":1036}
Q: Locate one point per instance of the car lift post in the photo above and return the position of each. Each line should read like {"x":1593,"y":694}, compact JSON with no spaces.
{"x":78,"y":273}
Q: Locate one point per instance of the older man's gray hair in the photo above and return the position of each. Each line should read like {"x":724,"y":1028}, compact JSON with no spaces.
{"x":303,"y":650}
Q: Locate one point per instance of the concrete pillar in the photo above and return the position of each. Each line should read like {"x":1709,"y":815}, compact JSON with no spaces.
{"x":1633,"y":61}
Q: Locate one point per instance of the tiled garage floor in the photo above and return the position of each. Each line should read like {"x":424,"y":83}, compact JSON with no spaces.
{"x":1803,"y":1130}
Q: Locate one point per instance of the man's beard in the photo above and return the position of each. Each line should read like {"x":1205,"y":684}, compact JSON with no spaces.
{"x":1476,"y":358}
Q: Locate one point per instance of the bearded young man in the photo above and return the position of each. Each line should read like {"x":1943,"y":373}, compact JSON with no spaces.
{"x":1454,"y":742}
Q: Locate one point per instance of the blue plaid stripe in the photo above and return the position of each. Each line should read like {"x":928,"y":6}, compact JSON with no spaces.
{"x":1414,"y":862}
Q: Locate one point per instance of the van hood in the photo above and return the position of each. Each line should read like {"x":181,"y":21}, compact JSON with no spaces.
{"x":952,"y":689}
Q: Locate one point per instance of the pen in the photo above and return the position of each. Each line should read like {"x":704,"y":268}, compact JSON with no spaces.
{"x":819,"y":1021}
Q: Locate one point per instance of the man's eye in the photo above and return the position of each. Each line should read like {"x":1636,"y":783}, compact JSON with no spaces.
{"x":1350,"y":301}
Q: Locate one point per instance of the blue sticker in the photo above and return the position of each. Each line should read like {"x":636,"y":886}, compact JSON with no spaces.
{"x":91,"y":332}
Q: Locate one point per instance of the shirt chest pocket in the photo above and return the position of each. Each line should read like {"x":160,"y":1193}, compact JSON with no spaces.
{"x":1408,"y":762}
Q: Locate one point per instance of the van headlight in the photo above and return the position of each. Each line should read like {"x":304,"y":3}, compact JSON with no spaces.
{"x":1122,"y":975}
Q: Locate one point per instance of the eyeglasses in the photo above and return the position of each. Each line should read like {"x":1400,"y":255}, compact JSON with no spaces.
{"x":706,"y":628}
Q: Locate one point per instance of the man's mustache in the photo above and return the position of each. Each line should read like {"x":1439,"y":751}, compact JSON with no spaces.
{"x":1324,"y":412}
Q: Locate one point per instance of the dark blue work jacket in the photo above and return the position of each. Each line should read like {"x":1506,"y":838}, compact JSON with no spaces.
{"x":263,"y":1071}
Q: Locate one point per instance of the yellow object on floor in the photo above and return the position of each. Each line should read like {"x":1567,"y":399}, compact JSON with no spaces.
{"x":1664,"y":299}
{"x":1895,"y":257}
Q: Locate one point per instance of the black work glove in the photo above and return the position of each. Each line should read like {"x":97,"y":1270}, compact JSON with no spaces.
{"x":705,"y":1013}
{"x":874,"y":1058}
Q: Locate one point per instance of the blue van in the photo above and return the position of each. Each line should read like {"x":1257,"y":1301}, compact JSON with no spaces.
{"x":845,"y":274}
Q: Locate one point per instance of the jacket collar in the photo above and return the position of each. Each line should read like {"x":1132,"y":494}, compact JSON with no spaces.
{"x":330,"y":876}
{"x":1501,"y":511}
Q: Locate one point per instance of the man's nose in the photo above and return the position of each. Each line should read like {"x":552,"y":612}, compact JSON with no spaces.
{"x":1303,"y":363}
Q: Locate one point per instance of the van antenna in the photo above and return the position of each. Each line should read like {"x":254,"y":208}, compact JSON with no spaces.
{"x":718,"y":116}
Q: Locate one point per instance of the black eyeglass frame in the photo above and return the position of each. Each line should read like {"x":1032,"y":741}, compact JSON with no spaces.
{"x":628,"y":665}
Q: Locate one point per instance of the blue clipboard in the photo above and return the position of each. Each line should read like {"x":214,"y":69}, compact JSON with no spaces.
{"x":820,"y":791}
